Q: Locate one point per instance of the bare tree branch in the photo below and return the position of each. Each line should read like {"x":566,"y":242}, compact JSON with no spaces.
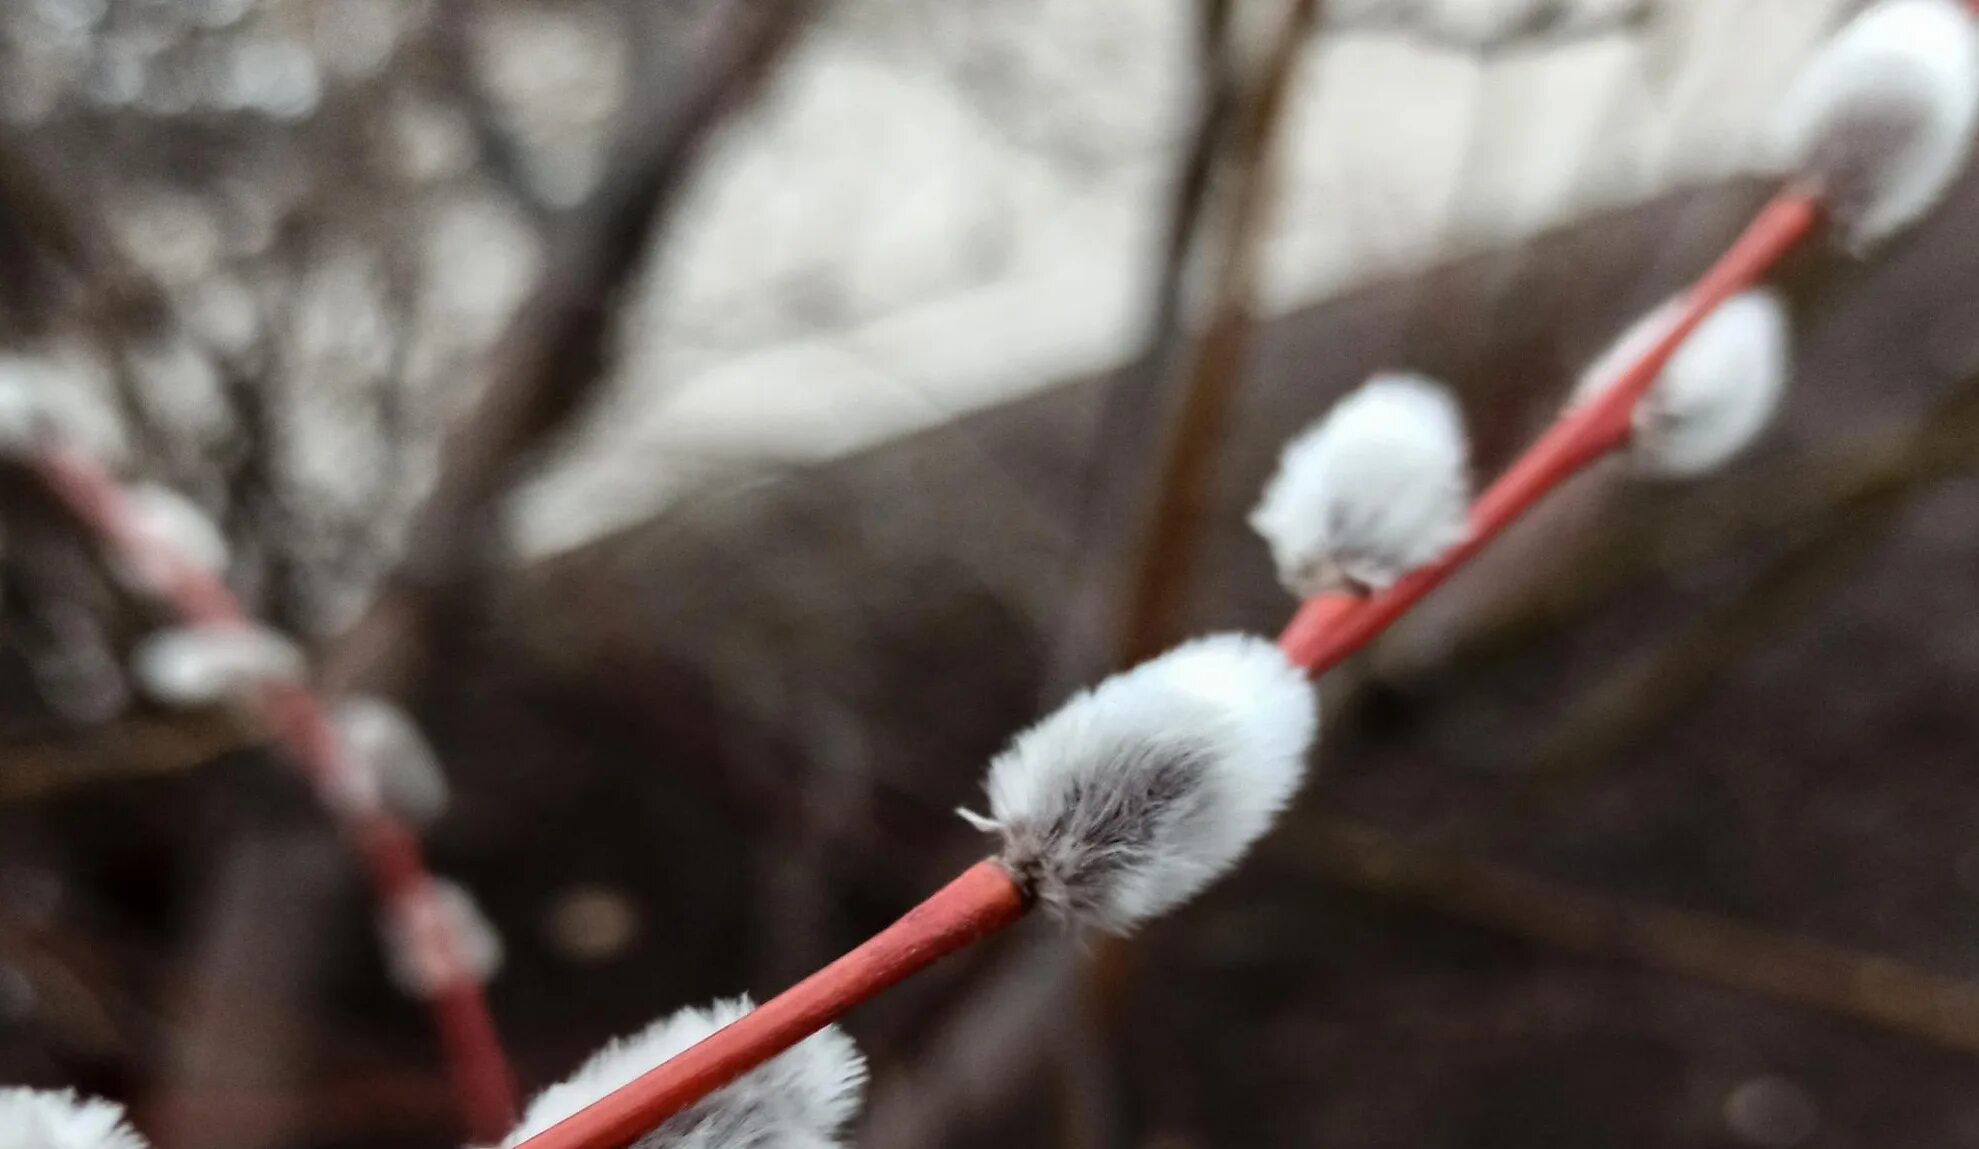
{"x":554,"y":357}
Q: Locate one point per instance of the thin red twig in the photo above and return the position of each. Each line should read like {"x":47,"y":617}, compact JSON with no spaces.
{"x":980,"y":902}
{"x":388,"y":850}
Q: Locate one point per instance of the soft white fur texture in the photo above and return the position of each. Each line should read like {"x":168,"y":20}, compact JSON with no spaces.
{"x":58,"y":1119}
{"x":1375,"y":489}
{"x":1136,"y":794}
{"x":1881,"y":118}
{"x":1715,"y":395}
{"x":202,"y":665}
{"x":798,"y":1100}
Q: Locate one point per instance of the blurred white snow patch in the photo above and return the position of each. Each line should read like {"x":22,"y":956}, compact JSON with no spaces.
{"x":805,"y":401}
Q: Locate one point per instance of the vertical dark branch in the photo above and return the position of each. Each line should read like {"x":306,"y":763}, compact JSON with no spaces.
{"x":1138,"y":525}
{"x":1161,"y":575}
{"x":1122,"y":463}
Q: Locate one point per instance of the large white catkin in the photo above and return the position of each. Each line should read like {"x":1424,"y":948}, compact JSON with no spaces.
{"x":59,"y":1119}
{"x":1375,"y":489}
{"x":797,"y":1100}
{"x":1136,"y":794}
{"x":1715,"y":395}
{"x":1881,"y":119}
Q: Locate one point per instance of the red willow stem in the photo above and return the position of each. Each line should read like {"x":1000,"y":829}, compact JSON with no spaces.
{"x":482,"y":1081}
{"x":1328,"y":628}
{"x":1325,"y":630}
{"x":981,"y":901}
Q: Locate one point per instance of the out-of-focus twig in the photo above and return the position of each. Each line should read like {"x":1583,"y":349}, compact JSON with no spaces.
{"x":554,"y":356}
{"x":1113,"y":521}
{"x":1863,"y":987}
{"x":1161,"y":574}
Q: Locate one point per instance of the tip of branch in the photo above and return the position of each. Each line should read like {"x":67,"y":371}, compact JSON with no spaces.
{"x":1372,"y":491}
{"x":1136,"y":794}
{"x":798,"y":1100}
{"x":1880,"y":120}
{"x":1717,"y":393}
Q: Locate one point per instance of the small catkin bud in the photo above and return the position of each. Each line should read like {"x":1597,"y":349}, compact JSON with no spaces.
{"x":1880,"y":120}
{"x":797,"y":1100}
{"x":170,"y":523}
{"x":438,"y":935}
{"x":386,"y":744}
{"x":25,"y":423}
{"x":1136,"y":794}
{"x":1714,"y":396}
{"x":203,"y":665}
{"x":59,"y":1119}
{"x":1372,"y":491}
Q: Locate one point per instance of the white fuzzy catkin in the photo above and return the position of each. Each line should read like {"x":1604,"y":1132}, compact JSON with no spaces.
{"x":59,"y":1119}
{"x":798,"y":1100}
{"x":170,"y":522}
{"x":398,"y":764}
{"x":1136,"y":794}
{"x":25,"y":423}
{"x":1881,"y":118}
{"x":1375,"y":489}
{"x":438,"y":933}
{"x":202,"y":665}
{"x":1714,"y":396}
